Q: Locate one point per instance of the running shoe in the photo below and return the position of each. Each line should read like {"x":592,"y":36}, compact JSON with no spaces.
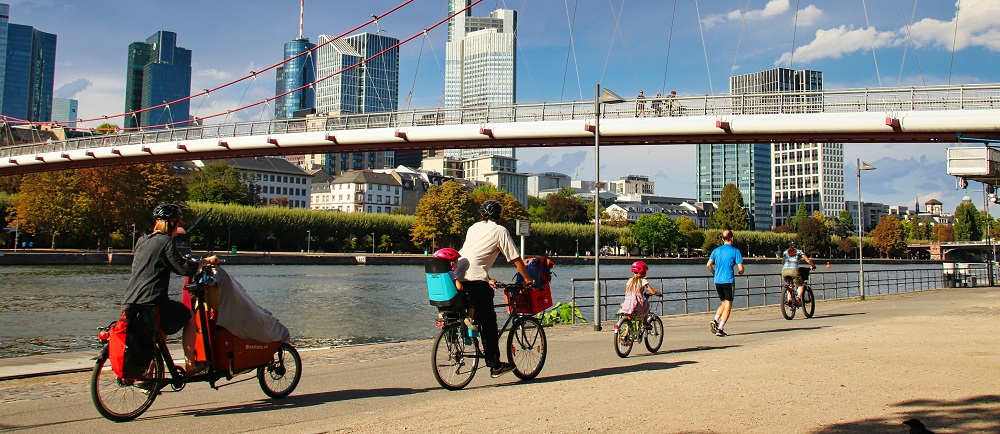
{"x":715,"y":326}
{"x":503,"y":369}
{"x":470,"y":324}
{"x":721,"y":333}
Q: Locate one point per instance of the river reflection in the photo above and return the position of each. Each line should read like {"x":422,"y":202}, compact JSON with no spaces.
{"x":50,"y":309}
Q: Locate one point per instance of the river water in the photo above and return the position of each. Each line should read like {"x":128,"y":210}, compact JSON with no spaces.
{"x":53,"y":309}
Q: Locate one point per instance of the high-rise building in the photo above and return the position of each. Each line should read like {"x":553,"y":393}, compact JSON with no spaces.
{"x":370,"y":87}
{"x":748,"y":166}
{"x":811,"y":174}
{"x":27,"y":70}
{"x":292,"y":75}
{"x":480,"y":65}
{"x":64,"y":111}
{"x":298,"y":71}
{"x":159,"y":72}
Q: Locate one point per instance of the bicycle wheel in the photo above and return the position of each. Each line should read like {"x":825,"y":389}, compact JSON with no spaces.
{"x":280,"y":377}
{"x":654,"y":336}
{"x":121,"y":400}
{"x":808,"y":302}
{"x":788,"y":307}
{"x":623,"y":338}
{"x":453,"y":360}
{"x":527,"y":347}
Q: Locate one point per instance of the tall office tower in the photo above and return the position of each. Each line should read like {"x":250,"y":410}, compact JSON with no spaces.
{"x":27,"y":70}
{"x":811,"y":174}
{"x":370,"y":87}
{"x":480,"y":65}
{"x":294,"y":74}
{"x":748,"y":166}
{"x":64,"y":111}
{"x":158,"y":72}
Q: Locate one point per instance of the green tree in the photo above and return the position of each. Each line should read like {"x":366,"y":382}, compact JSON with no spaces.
{"x":536,"y":209}
{"x":889,"y":238}
{"x":968,"y":226}
{"x":801,"y":214}
{"x":444,"y":215}
{"x":219,"y":183}
{"x":845,"y":224}
{"x":847,"y":247}
{"x":512,"y":208}
{"x":814,"y":237}
{"x":943,"y":233}
{"x":691,"y":236}
{"x":656,"y":231}
{"x":732,"y":212}
{"x":563,"y":209}
{"x":51,"y":202}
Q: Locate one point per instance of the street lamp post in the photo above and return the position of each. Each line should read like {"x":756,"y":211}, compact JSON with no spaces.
{"x":373,"y":243}
{"x":309,"y":237}
{"x":601,"y":96}
{"x":133,"y":237}
{"x":861,"y":228}
{"x":578,"y":247}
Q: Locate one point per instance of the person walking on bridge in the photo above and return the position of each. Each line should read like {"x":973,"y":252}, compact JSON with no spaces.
{"x":721,"y":264}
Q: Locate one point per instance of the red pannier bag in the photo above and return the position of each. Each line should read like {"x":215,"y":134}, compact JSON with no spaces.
{"x":116,"y":345}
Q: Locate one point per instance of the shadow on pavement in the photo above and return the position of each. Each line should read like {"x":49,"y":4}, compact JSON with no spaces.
{"x":298,"y":401}
{"x":602,"y":372}
{"x":835,"y":315}
{"x":700,"y":348}
{"x":782,"y":330}
{"x":972,"y":414}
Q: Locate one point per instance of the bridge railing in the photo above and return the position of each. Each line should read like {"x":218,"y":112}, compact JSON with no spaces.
{"x":888,"y":100}
{"x":695,"y":294}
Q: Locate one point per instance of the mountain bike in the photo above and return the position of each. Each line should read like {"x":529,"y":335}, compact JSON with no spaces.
{"x":457,"y":350}
{"x":631,"y":328}
{"x":789,"y":293}
{"x":277,"y":365}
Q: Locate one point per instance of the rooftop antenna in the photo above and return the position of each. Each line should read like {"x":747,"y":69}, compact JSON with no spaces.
{"x":302,"y":13}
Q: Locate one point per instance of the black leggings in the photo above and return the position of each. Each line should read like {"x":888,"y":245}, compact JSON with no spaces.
{"x":481,"y":294}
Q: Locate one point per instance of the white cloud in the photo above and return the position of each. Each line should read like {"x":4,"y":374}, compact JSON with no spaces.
{"x":214,"y":74}
{"x":808,"y":16}
{"x":836,"y":42}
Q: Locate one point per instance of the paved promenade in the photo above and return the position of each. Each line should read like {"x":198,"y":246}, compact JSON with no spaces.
{"x":857,"y":367}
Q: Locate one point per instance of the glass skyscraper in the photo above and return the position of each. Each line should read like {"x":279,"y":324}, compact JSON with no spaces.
{"x":158,"y":72}
{"x":27,"y":70}
{"x":64,"y":111}
{"x":748,"y":166}
{"x":809,"y":174}
{"x":370,"y":87}
{"x":480,"y":65}
{"x":292,"y":75}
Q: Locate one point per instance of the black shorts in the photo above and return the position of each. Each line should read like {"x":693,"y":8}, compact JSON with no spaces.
{"x":725,"y":291}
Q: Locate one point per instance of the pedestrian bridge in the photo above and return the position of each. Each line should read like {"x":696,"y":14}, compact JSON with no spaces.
{"x":945,"y":114}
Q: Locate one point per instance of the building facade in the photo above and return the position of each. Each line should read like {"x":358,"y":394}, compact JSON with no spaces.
{"x":632,"y":184}
{"x":547,"y":182}
{"x":746,"y":165}
{"x":294,"y":74}
{"x":480,"y":65}
{"x":811,"y":174}
{"x":276,"y":178}
{"x":870,"y":216}
{"x":27,"y":70}
{"x":370,"y":87}
{"x":361,"y":192}
{"x":159,"y":72}
{"x":64,"y":111}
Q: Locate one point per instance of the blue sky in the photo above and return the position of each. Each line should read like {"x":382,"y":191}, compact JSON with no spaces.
{"x":626,"y":45}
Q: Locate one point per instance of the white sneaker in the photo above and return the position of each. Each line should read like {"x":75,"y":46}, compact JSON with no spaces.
{"x":470,"y":324}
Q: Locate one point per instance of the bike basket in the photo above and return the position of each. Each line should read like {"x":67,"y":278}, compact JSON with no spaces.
{"x":528,"y":302}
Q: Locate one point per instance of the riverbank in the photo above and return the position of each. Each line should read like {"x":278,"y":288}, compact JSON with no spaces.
{"x":124,"y":257}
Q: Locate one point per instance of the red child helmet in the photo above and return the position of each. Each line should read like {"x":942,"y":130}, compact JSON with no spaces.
{"x":447,"y":253}
{"x":639,"y":267}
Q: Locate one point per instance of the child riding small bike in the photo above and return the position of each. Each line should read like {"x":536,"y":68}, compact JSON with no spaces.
{"x":636,"y":303}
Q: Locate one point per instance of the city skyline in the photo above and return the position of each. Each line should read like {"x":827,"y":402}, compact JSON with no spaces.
{"x":662,"y":50}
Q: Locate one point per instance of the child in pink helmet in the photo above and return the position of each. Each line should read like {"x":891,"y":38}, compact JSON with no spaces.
{"x":453,"y":257}
{"x":635,"y":303}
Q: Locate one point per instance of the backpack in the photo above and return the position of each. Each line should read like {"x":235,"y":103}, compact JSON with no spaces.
{"x":539,"y":269}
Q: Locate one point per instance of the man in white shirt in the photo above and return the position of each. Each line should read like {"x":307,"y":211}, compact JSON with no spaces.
{"x":485,"y":241}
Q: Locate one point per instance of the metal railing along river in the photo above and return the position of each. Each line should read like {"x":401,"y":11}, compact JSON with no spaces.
{"x":696,"y":294}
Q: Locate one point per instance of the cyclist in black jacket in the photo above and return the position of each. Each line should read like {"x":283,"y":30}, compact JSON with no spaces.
{"x":155,"y":257}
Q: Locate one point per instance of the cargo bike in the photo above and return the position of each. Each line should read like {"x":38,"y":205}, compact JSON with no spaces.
{"x":121,"y":396}
{"x":457,"y":349}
